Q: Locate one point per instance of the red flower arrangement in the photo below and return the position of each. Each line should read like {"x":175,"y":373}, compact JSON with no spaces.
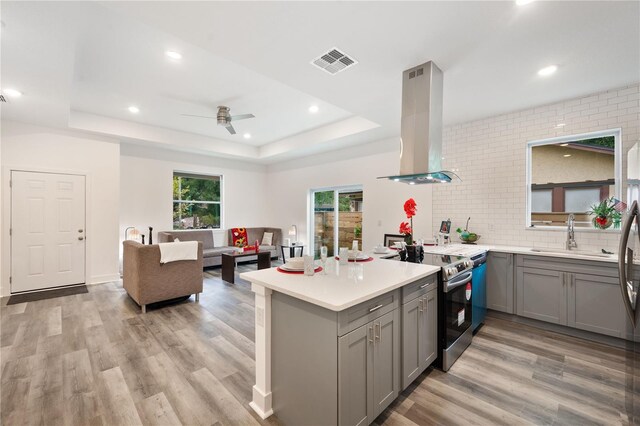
{"x":406,"y":228}
{"x":410,"y":208}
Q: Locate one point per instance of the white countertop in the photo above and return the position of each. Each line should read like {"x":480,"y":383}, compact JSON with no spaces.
{"x":549,"y":252}
{"x":344,"y":285}
{"x":473,"y":249}
{"x":469,"y":249}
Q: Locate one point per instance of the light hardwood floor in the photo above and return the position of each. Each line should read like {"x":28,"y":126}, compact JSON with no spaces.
{"x":95,"y":359}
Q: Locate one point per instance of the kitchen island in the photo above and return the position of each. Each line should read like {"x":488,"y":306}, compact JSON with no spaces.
{"x":328,"y":346}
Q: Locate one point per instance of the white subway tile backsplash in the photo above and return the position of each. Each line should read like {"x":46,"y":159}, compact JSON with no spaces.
{"x":490,"y":156}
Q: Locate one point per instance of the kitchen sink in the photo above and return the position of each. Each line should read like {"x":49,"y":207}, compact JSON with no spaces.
{"x":571,"y":252}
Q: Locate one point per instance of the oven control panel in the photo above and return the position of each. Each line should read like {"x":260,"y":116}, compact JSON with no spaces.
{"x":456,"y":268}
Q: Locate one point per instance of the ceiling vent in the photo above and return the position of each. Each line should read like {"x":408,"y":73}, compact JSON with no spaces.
{"x":2,"y":98}
{"x":334,"y":61}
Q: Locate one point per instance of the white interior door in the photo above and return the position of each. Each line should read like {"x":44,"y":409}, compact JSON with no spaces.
{"x":47,"y":230}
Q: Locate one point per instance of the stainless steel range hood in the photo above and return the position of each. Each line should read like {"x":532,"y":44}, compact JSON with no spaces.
{"x":421,"y":127}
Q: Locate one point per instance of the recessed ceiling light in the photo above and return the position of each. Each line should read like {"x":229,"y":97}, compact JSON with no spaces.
{"x":523,"y":2}
{"x":12,"y":93}
{"x":313,"y":109}
{"x":567,"y":155}
{"x":564,"y":144}
{"x":247,"y":135}
{"x":548,"y":70}
{"x":173,"y":55}
{"x":134,"y":109}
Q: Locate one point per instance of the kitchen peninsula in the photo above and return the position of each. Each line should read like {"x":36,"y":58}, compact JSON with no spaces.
{"x":328,"y":346}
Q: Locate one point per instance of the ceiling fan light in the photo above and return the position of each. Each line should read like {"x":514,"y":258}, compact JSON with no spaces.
{"x":12,"y":93}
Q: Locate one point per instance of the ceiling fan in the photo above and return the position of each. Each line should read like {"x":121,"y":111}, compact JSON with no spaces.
{"x":224,"y":118}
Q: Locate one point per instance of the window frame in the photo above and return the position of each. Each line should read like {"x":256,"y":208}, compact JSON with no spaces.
{"x":196,"y":175}
{"x":617,"y":135}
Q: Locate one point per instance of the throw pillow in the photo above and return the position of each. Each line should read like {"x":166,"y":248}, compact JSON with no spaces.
{"x":267,"y":239}
{"x":239,"y":237}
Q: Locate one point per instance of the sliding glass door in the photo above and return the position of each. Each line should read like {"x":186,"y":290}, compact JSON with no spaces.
{"x":335,"y":218}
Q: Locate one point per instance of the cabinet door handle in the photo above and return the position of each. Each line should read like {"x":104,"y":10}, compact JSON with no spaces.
{"x":377,"y":335}
{"x":370,"y":333}
{"x":375,"y":308}
{"x":424,"y":285}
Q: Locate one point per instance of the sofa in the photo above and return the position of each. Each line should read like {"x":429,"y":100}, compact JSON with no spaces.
{"x":212,"y":256}
{"x":254,"y":234}
{"x":146,"y":280}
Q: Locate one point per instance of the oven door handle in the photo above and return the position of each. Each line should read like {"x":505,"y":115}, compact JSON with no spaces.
{"x":459,"y":281}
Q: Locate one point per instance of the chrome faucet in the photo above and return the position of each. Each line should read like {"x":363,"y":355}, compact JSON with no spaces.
{"x":571,"y":238}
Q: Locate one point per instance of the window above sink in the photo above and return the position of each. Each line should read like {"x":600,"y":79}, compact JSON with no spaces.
{"x":569,"y":174}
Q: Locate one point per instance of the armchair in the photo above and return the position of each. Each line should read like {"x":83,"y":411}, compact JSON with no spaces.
{"x":146,"y":280}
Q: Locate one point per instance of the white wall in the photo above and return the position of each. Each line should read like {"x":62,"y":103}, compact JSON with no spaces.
{"x":146,"y":177}
{"x":28,"y":147}
{"x":490,"y":156}
{"x":290,"y":182}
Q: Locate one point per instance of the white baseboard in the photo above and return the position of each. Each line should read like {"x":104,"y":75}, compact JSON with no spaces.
{"x":99,"y":279}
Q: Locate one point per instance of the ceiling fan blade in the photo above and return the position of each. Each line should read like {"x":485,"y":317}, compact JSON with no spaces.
{"x":199,"y":116}
{"x":231,"y":129}
{"x":241,"y":117}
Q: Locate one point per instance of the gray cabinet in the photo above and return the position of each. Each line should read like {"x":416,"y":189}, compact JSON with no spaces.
{"x":419,"y":335}
{"x":500,"y":272}
{"x":542,"y":295}
{"x":579,"y":294}
{"x":345,"y":367}
{"x":355,"y":384}
{"x":595,"y":304}
{"x":368,"y":370}
{"x":386,"y":361}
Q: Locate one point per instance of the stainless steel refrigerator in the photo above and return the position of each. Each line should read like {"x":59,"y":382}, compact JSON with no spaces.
{"x":629,"y":277}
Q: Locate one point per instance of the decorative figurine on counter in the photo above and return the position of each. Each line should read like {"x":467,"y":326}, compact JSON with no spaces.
{"x":150,"y":235}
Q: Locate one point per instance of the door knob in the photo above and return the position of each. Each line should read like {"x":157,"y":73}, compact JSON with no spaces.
{"x":80,"y":230}
{"x":81,"y":238}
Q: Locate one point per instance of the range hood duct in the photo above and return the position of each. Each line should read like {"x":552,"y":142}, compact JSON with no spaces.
{"x":421,"y":127}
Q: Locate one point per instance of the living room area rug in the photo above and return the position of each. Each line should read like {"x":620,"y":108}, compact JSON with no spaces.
{"x":47,"y":294}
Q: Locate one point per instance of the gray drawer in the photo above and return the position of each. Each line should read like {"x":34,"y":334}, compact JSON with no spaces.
{"x":593,"y":267}
{"x":359,"y":315}
{"x":419,"y":288}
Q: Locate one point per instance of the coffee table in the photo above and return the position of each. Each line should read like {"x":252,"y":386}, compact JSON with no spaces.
{"x":229,"y":263}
